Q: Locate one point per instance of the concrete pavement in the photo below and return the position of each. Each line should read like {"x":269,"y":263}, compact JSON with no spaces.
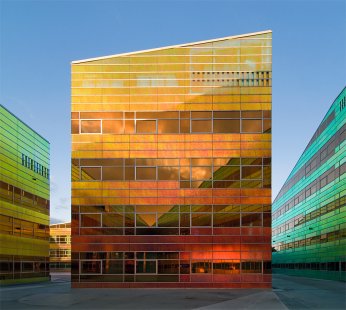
{"x":288,"y":293}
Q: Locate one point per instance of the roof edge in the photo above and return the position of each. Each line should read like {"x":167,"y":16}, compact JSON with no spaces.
{"x":24,"y":123}
{"x":171,"y":46}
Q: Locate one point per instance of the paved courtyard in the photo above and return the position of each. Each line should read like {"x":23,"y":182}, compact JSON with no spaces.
{"x":288,"y":293}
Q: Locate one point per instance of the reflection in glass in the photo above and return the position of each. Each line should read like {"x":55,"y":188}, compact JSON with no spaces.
{"x":146,"y":126}
{"x":251,"y":125}
{"x":90,"y":126}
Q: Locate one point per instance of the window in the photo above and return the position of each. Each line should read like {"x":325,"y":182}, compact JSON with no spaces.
{"x":91,"y":173}
{"x":146,"y":173}
{"x":201,"y":126}
{"x":114,"y":126}
{"x":91,"y":126}
{"x":251,"y":125}
{"x":226,"y":125}
{"x":146,"y":126}
{"x":112,"y":173}
{"x":168,"y":126}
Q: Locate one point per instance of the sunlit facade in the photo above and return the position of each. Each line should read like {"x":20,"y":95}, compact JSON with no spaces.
{"x":171,"y":166}
{"x":60,"y":247}
{"x":309,"y":213}
{"x":24,"y":202}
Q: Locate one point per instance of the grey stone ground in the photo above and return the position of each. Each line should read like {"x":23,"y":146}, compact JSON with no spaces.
{"x":288,"y":293}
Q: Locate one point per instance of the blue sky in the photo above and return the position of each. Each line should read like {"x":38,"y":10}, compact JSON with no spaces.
{"x":39,"y":39}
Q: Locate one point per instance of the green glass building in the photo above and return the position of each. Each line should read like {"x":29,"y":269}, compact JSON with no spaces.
{"x":309,"y":213}
{"x":24,"y":202}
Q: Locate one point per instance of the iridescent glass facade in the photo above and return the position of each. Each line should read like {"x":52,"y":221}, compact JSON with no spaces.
{"x":24,"y":202}
{"x":171,"y":166}
{"x":309,"y":213}
{"x":60,"y":247}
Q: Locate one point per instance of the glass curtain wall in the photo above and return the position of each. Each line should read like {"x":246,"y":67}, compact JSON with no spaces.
{"x":171,"y":166}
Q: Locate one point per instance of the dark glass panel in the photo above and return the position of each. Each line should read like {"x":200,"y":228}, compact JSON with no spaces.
{"x":251,"y":114}
{"x":129,"y":220}
{"x":226,"y":114}
{"x":251,"y":172}
{"x":251,"y":267}
{"x":226,"y":184}
{"x":116,"y":126}
{"x":168,"y":126}
{"x":226,"y":126}
{"x":267,"y":114}
{"x":146,"y":127}
{"x":201,"y":267}
{"x":184,"y":267}
{"x":146,"y":173}
{"x":226,"y":208}
{"x":201,"y":208}
{"x":251,"y":184}
{"x":168,"y":173}
{"x":168,"y":267}
{"x":91,"y":266}
{"x":91,"y":173}
{"x":201,"y":114}
{"x":226,"y":219}
{"x":184,"y":219}
{"x":112,"y":173}
{"x":267,"y":126}
{"x":184,"y":114}
{"x":27,"y":266}
{"x":112,"y":267}
{"x":17,"y":267}
{"x":227,"y":173}
{"x":200,"y":219}
{"x":129,"y":173}
{"x":251,"y":208}
{"x":170,"y":114}
{"x":91,"y":126}
{"x":129,"y":115}
{"x":74,"y":115}
{"x":267,"y":220}
{"x":101,"y":115}
{"x":90,"y":220}
{"x":252,"y":125}
{"x":201,"y":126}
{"x":226,"y":267}
{"x":112,"y":220}
{"x":6,"y":267}
{"x":168,"y":219}
{"x":129,"y":161}
{"x":146,"y":162}
{"x":146,"y":115}
{"x":75,"y":127}
{"x":251,"y":161}
{"x":185,"y":126}
{"x":251,"y":219}
{"x":147,"y":266}
{"x":27,"y":228}
{"x":5,"y":224}
{"x":267,"y":267}
{"x":129,"y":126}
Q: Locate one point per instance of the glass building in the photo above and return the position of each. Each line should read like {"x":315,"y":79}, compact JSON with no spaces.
{"x":309,"y":214}
{"x":24,"y":202}
{"x":60,"y":247}
{"x":171,"y":166}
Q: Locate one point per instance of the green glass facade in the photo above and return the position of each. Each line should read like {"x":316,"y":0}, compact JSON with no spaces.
{"x":309,"y":213}
{"x":24,"y":202}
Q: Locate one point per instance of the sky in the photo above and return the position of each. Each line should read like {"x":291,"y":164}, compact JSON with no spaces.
{"x":39,"y":39}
